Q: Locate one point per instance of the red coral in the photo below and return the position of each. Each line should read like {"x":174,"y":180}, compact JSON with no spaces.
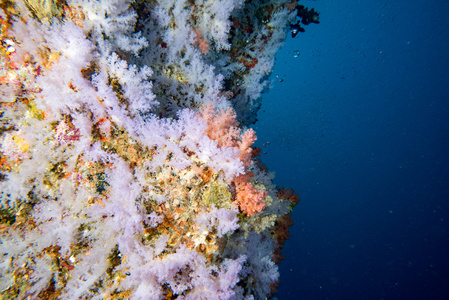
{"x":288,"y":194}
{"x":281,"y":233}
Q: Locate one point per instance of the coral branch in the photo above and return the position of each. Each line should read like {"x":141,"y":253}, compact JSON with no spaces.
{"x":201,"y":42}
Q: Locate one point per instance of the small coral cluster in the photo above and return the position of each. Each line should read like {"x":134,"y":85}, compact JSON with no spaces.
{"x":126,"y":169}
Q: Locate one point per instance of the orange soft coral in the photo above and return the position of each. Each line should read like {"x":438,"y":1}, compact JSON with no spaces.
{"x":248,"y":198}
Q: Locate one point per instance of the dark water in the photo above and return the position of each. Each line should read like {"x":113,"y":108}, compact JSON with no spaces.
{"x":359,"y":128}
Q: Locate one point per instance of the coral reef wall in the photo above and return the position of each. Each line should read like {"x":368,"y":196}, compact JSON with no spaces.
{"x":127,"y":169}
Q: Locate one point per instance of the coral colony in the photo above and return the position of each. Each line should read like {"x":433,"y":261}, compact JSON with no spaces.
{"x":127,"y":170}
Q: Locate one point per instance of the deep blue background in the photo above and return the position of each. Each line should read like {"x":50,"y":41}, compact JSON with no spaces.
{"x":359,"y":127}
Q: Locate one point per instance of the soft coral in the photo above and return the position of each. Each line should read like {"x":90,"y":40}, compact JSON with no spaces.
{"x":248,"y":198}
{"x":223,"y":127}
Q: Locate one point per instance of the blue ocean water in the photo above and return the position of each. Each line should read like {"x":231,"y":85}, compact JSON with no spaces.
{"x":358,"y":123}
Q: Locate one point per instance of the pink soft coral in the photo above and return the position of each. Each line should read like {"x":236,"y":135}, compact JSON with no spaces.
{"x":248,"y":198}
{"x":247,"y":140}
{"x":223,"y":127}
{"x":202,"y":42}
